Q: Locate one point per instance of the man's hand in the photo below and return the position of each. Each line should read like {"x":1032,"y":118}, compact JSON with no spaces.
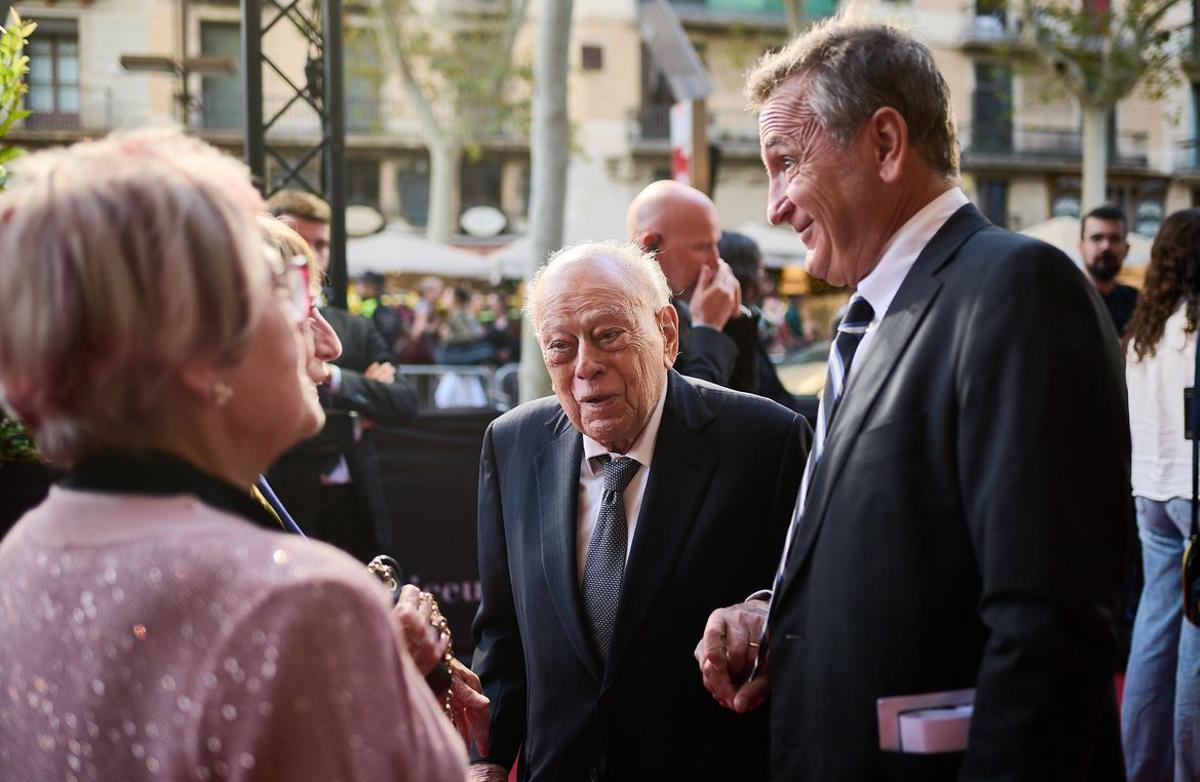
{"x":717,"y":297}
{"x":470,"y":706}
{"x":726,"y":654}
{"x":424,"y":641}
{"x":381,"y":371}
{"x":487,"y":772}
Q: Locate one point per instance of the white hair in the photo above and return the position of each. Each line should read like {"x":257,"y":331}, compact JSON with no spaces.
{"x":645,"y":284}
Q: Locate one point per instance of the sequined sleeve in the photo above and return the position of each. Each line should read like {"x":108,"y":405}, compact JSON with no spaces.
{"x":309,"y":684}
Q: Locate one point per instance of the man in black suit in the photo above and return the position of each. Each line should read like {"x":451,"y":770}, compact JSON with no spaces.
{"x":610,"y":518}
{"x":331,"y":483}
{"x":717,"y":335}
{"x":962,"y":519}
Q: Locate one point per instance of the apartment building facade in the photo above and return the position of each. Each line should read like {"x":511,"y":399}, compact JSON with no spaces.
{"x":1021,"y":144}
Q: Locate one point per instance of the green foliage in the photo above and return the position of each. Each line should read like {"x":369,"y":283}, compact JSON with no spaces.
{"x":1101,"y":56}
{"x":465,"y":67}
{"x":15,"y":442}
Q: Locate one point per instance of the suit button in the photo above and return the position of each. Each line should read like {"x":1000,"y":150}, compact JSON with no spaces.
{"x":608,"y":701}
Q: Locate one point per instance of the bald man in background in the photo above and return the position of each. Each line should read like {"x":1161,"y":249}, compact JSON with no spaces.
{"x":717,"y":335}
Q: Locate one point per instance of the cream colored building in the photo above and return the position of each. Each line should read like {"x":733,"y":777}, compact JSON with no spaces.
{"x":1021,"y":146}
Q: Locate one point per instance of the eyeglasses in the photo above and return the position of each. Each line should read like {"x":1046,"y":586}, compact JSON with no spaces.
{"x":290,"y":279}
{"x":296,"y":279}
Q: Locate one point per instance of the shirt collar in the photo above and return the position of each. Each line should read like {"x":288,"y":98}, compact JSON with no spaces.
{"x":643,"y":447}
{"x":880,"y":286}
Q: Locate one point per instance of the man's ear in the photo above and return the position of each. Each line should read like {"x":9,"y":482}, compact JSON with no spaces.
{"x":649,"y":241}
{"x":888,"y":137}
{"x":668,"y":325}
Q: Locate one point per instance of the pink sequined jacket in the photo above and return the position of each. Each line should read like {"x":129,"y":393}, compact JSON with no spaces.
{"x":151,"y":637}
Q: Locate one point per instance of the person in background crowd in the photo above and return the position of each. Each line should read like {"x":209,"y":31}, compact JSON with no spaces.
{"x":427,"y":319}
{"x":1103,"y":247}
{"x":1160,"y":720}
{"x":745,"y":259}
{"x":503,"y":331}
{"x":462,"y":337}
{"x":372,"y":307}
{"x":796,"y":333}
{"x":717,"y":338}
{"x":590,"y":602}
{"x":332,"y":485}
{"x":962,"y":522}
{"x":157,"y":624}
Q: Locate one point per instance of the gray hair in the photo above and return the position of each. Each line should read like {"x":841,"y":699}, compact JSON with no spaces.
{"x":647,"y":283}
{"x":120,"y":259}
{"x":852,"y":69}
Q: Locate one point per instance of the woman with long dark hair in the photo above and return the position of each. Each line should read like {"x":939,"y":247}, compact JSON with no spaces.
{"x":1160,"y":722}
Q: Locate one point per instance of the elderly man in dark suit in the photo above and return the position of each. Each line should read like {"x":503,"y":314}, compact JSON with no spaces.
{"x":961,"y":523}
{"x":611,"y":516}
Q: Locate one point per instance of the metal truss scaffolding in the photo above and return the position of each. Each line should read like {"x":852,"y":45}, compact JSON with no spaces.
{"x":319,"y":23}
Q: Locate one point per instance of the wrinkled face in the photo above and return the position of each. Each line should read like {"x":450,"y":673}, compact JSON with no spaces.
{"x":823,"y":192}
{"x":275,"y":401}
{"x":687,"y":242}
{"x":1103,"y":247}
{"x":321,"y":345}
{"x":606,"y":354}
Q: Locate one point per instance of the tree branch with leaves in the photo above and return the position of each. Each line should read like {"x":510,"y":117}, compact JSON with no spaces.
{"x":459,"y":75}
{"x":1101,"y":55}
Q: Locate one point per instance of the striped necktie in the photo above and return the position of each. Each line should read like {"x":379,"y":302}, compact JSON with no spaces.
{"x":851,"y":331}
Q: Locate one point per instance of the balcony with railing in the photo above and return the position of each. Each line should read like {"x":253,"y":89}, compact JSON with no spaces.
{"x":1187,"y":157}
{"x":1040,"y":146}
{"x":75,"y":111}
{"x":289,"y":118}
{"x":720,"y":13}
{"x":989,"y":24}
{"x":650,"y":129}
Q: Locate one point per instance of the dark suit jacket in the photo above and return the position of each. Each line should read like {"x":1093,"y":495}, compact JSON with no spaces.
{"x":965,"y":527}
{"x":728,"y":357}
{"x":387,"y":404}
{"x":360,"y":524}
{"x":721,"y":488}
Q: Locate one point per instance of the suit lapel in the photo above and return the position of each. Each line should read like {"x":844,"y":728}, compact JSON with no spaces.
{"x":557,"y":467}
{"x":907,"y":310}
{"x":680,"y":475}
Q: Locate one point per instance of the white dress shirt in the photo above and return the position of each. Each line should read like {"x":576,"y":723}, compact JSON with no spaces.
{"x":591,"y":482}
{"x":1162,"y":458}
{"x":880,"y":286}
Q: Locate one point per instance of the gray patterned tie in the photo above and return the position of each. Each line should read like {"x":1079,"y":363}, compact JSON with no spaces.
{"x":605,"y":564}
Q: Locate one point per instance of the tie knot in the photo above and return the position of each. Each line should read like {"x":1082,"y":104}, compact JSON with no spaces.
{"x":859,"y":314}
{"x":618,"y":472}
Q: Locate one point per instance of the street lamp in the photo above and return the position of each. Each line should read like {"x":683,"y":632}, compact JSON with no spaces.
{"x":181,"y":68}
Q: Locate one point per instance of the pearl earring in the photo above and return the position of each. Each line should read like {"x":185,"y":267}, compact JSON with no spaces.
{"x":221,"y":393}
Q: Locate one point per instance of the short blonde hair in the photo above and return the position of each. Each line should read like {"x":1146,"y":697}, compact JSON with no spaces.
{"x":290,"y":244}
{"x":647,"y":285}
{"x":299,"y":204}
{"x":120,"y":259}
